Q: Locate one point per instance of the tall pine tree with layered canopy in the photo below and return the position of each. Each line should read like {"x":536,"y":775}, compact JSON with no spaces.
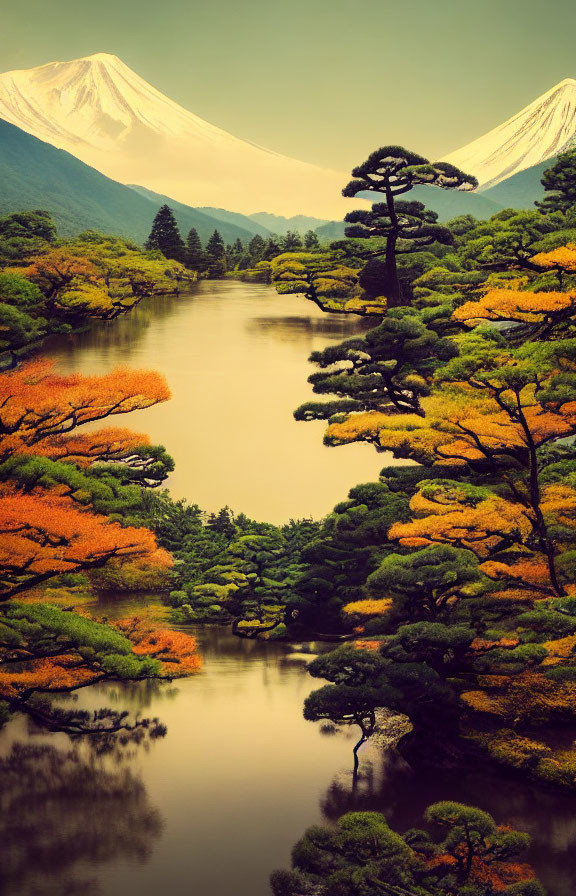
{"x":404,"y":226}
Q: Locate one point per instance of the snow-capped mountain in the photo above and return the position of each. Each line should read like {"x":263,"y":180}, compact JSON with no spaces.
{"x":101,"y":111}
{"x":539,"y":132}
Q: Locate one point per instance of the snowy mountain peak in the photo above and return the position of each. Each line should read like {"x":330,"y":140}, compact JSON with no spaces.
{"x":101,"y":111}
{"x":538,"y":132}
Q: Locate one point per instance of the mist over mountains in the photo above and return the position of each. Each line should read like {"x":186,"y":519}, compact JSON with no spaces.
{"x":76,"y":137}
{"x":105,"y":114}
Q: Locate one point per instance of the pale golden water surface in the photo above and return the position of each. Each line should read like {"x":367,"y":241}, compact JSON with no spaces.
{"x":236,"y":359}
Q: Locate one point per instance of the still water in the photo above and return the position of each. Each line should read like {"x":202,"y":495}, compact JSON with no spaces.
{"x":216,"y":805}
{"x":235,"y":356}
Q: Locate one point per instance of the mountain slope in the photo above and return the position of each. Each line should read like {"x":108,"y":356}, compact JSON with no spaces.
{"x":244,"y":221}
{"x":538,"y":132}
{"x":109,"y":117}
{"x":231,"y":225}
{"x":34,"y":174}
{"x":522,"y":189}
{"x":452,"y":203}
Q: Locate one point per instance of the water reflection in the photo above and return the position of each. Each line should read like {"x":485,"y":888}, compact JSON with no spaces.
{"x":334,"y":326}
{"x":217,"y":804}
{"x":65,"y":814}
{"x":235,"y":356}
{"x":387,"y":784}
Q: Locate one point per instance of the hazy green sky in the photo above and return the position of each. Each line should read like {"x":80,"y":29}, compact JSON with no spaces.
{"x":322,"y":80}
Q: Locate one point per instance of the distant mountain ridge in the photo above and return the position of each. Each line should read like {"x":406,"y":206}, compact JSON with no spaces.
{"x":281,"y":225}
{"x":243,"y":224}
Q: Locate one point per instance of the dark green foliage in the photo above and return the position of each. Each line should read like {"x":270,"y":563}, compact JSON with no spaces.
{"x":349,"y":545}
{"x":401,"y":226}
{"x":227,"y":567}
{"x":559,"y":183}
{"x":216,"y":256}
{"x":426,"y":580}
{"x":24,"y":233}
{"x":195,"y":258}
{"x":165,"y":236}
{"x":390,"y":368}
{"x":18,"y":329}
{"x":462,"y":852}
{"x":311,"y":240}
{"x":292,"y":242}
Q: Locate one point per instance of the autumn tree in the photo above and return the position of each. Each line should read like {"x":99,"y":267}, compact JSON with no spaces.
{"x":44,"y":535}
{"x":40,"y":409}
{"x":99,"y":277}
{"x":46,"y":650}
{"x":404,"y":226}
{"x":52,"y":479}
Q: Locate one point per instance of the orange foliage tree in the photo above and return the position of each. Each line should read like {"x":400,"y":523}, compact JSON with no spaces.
{"x":44,"y":534}
{"x":48,"y":527}
{"x":40,"y":408}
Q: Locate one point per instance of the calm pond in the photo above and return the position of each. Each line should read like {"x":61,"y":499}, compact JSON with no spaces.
{"x":236,"y":359}
{"x":214,"y":806}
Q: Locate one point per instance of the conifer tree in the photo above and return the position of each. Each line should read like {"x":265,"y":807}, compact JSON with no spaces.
{"x":195,"y":257}
{"x":272,"y":248}
{"x":559,"y":182}
{"x":257,"y":248}
{"x":404,"y":226}
{"x":165,"y":235}
{"x":292,"y":241}
{"x":216,"y":256}
{"x":311,"y":240}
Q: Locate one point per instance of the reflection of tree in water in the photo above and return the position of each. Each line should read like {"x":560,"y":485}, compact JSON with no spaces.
{"x":63,"y":810}
{"x":390,"y":786}
{"x":290,"y":327}
{"x":121,"y":335}
{"x":137,"y":695}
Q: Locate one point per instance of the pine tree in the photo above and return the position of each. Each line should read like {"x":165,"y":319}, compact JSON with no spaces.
{"x":559,"y":181}
{"x":195,"y":256}
{"x":311,"y":240}
{"x":401,"y":226}
{"x":256,"y":248}
{"x":292,"y":241}
{"x":222,"y":522}
{"x":165,"y":235}
{"x":216,"y":256}
{"x":272,"y":248}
